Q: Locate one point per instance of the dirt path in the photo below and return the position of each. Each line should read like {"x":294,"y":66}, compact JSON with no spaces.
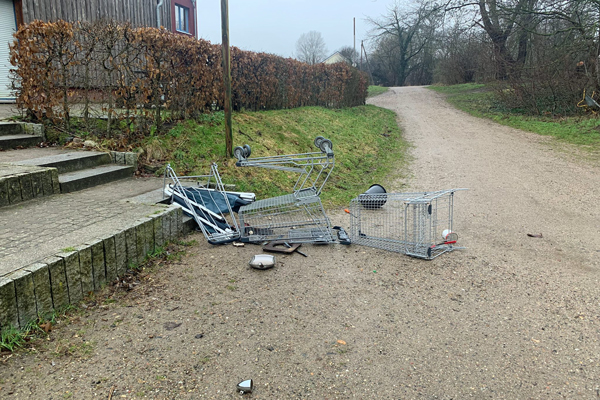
{"x":517,"y":182}
{"x":512,"y":317}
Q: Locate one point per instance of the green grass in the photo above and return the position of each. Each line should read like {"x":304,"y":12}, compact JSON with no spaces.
{"x":366,"y":141}
{"x":12,"y":338}
{"x":478,"y":100}
{"x":376,"y":90}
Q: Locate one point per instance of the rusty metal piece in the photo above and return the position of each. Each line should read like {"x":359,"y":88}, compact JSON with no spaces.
{"x":281,"y":246}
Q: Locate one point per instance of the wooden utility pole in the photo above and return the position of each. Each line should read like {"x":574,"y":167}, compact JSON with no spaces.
{"x":227,"y":77}
{"x":354,"y":55}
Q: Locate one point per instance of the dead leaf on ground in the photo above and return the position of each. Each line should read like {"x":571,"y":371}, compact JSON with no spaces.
{"x":341,"y":342}
{"x":47,"y":327}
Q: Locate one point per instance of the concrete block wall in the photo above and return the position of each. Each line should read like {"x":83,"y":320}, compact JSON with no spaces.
{"x":124,"y":158}
{"x":67,"y":277}
{"x":33,"y":129}
{"x":27,"y":183}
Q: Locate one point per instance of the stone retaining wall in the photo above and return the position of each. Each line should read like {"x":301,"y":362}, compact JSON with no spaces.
{"x":124,"y":158}
{"x":65,"y":278}
{"x":21,"y":183}
{"x":33,"y":129}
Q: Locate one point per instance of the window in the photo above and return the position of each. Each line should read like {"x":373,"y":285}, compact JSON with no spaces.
{"x":182,"y":19}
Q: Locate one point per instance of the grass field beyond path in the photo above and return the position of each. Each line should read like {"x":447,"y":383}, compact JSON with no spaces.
{"x":480,"y":101}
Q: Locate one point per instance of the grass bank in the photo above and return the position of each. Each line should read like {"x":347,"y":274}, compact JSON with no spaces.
{"x":480,"y":101}
{"x":376,"y":90}
{"x":366,"y":140}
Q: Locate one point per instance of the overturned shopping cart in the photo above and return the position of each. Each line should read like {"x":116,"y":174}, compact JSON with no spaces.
{"x":297,"y":217}
{"x":205,"y":199}
{"x":415,"y":224}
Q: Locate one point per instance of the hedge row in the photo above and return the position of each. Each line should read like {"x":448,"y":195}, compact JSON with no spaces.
{"x":161,"y":75}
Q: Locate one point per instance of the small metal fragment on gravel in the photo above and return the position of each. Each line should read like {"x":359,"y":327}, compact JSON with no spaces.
{"x":533,"y":235}
{"x":245,"y":386}
{"x":262,"y":261}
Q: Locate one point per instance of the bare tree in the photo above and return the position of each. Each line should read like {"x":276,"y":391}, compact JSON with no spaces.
{"x":350,"y":54}
{"x":310,"y":48}
{"x":401,"y":37}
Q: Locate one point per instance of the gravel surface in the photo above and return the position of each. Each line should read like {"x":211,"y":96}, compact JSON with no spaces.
{"x":511,"y":317}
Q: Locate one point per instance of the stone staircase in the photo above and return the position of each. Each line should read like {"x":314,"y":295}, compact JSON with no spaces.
{"x":58,"y":242}
{"x":82,"y":169}
{"x":15,"y":135}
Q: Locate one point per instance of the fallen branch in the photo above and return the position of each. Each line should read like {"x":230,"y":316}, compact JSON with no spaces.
{"x":245,"y":134}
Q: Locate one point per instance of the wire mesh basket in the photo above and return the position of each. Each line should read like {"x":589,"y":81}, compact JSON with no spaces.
{"x":415,"y":224}
{"x":206,"y":200}
{"x":298,"y":217}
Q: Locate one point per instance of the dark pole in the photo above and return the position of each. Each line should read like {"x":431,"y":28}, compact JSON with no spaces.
{"x":227,"y":77}
{"x":368,"y":65}
{"x":362,"y":46}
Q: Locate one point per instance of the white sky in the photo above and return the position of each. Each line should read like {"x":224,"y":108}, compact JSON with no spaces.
{"x":274,"y":26}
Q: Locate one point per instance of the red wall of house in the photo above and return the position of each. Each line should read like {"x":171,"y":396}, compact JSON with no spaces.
{"x":190,"y":5}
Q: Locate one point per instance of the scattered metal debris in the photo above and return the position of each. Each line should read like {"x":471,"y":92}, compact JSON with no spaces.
{"x":408,"y":223}
{"x":262,"y":261}
{"x":246,"y":386}
{"x":342,"y":235}
{"x":535,"y":235}
{"x":286,"y":244}
{"x":281,"y":246}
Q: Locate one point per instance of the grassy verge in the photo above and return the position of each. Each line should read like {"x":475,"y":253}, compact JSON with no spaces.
{"x":477,"y":100}
{"x":366,"y":141}
{"x":376,"y":90}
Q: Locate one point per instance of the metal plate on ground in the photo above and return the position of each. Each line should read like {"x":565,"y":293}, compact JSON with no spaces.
{"x":281,"y":246}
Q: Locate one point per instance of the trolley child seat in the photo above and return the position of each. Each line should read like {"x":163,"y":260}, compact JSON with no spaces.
{"x":208,"y":202}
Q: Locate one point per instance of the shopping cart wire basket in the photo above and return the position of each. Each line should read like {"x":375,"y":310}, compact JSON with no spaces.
{"x":297,"y":217}
{"x":415,"y":224}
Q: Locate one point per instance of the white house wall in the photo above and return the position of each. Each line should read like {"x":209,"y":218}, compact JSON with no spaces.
{"x":7,"y":28}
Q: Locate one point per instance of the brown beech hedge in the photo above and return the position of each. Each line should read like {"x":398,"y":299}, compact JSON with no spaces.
{"x":159,"y":75}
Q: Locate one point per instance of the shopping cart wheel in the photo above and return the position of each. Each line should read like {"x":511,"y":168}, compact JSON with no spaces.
{"x":239,"y":152}
{"x":325,"y":143}
{"x":318,"y":141}
{"x":247,"y":151}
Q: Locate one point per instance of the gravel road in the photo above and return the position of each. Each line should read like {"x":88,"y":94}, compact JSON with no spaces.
{"x":511,"y":317}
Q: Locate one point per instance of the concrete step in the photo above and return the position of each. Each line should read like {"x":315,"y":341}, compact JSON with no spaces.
{"x":79,"y":180}
{"x":11,"y":128}
{"x":70,"y":162}
{"x":8,"y":142}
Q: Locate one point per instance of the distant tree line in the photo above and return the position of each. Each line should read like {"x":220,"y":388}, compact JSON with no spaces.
{"x":546,"y":52}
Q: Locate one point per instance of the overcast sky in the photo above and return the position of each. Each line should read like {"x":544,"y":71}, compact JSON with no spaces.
{"x":274,"y":26}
